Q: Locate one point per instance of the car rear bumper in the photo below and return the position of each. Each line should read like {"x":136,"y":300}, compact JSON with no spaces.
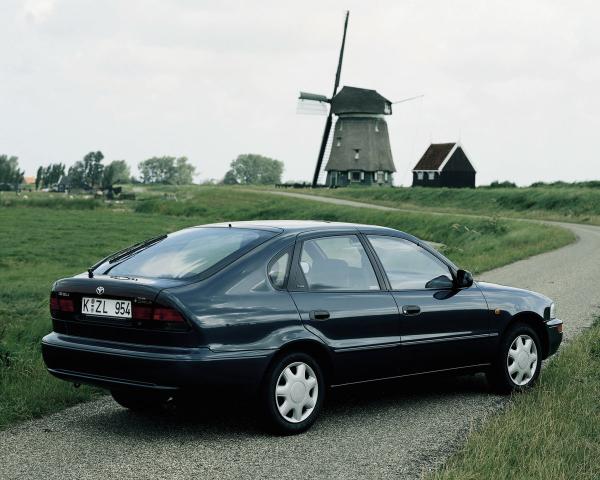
{"x":554,"y":328}
{"x":112,"y":365}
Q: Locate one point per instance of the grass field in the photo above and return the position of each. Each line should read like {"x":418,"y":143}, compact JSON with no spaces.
{"x":45,"y":237}
{"x":551,"y":432}
{"x":569,"y":204}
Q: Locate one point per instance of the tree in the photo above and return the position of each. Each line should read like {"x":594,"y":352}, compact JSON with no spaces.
{"x":116,"y":171}
{"x":254,"y":169}
{"x":47,"y":176}
{"x":87,"y":173}
{"x":57,"y":170}
{"x":230,"y":178}
{"x":184,"y":172}
{"x":9,"y":171}
{"x":39,"y":177}
{"x":157,"y":169}
{"x":504,"y":184}
{"x":77,"y":175}
{"x":93,"y":168}
{"x":169,"y":170}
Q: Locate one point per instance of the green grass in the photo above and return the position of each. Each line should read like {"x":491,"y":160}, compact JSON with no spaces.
{"x":570,"y":204}
{"x":477,"y":244}
{"x":45,"y":237}
{"x":39,"y":246}
{"x":551,"y":432}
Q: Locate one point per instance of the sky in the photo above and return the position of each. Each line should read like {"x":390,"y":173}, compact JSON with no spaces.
{"x":516,"y":82}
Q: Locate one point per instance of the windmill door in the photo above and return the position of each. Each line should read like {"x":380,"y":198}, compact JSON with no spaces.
{"x":333,"y":180}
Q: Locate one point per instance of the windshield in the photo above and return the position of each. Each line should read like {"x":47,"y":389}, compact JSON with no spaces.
{"x":189,"y":252}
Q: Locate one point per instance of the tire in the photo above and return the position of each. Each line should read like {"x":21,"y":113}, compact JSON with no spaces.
{"x":139,"y":400}
{"x":293,"y":409}
{"x":518,"y":362}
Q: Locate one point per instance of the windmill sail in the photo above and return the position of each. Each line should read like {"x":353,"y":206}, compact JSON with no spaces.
{"x":313,"y":96}
{"x":312,"y":104}
{"x":329,"y":121}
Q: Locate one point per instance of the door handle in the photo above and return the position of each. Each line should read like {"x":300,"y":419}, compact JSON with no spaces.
{"x":411,"y":309}
{"x":319,"y":315}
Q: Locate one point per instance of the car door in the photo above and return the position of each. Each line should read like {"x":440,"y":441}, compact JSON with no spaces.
{"x":441,"y":327}
{"x":340,"y":297}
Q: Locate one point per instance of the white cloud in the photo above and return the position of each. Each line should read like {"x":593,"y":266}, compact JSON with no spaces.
{"x":515,"y":80}
{"x":38,"y":11}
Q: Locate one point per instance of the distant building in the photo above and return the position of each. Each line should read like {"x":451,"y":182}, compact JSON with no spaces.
{"x":444,"y":165}
{"x":28,"y":180}
{"x":360,"y":149}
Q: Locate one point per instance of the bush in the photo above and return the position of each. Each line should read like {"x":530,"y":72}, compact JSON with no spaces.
{"x":57,"y":201}
{"x":505,"y":184}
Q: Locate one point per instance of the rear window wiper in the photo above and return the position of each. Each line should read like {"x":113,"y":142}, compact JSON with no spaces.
{"x":135,"y":248}
{"x":115,"y":257}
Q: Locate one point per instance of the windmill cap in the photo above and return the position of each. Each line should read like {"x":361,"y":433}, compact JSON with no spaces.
{"x":360,"y":100}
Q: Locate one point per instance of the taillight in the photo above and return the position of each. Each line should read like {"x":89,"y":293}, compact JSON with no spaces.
{"x":164,"y":314}
{"x":61,"y":304}
{"x":66,"y":305}
{"x":156,"y":313}
{"x":54,"y":305}
{"x":141,"y":312}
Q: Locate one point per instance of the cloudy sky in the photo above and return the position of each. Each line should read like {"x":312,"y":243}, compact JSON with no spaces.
{"x":515,"y":81}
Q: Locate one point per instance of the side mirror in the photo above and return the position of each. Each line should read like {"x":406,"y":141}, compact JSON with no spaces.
{"x":464,"y":279}
{"x":440,"y":283}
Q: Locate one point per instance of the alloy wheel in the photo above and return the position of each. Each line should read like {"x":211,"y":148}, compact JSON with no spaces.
{"x":522,"y":360}
{"x":296,"y":392}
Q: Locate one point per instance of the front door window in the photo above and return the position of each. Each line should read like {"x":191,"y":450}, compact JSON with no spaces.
{"x":408,"y":266}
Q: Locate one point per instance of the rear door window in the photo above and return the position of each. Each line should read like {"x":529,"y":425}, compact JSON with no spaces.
{"x":337,"y":263}
{"x":190,"y":252}
{"x":278,"y":269}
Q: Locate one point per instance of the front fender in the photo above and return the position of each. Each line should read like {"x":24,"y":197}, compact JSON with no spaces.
{"x":513,"y":301}
{"x":509,"y":304}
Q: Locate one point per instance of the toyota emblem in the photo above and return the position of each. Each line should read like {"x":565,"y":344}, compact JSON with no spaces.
{"x":99,"y":290}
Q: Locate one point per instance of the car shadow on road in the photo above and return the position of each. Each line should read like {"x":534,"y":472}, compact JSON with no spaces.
{"x":213,"y":415}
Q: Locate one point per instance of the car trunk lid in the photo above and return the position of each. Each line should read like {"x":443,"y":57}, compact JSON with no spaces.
{"x":122,"y":309}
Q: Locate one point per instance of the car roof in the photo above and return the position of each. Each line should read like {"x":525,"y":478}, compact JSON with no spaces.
{"x":298,"y":226}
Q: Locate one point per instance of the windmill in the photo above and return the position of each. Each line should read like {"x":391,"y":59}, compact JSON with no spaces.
{"x":360,"y":147}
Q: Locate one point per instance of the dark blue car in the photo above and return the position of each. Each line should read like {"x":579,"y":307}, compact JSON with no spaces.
{"x":286,"y":309}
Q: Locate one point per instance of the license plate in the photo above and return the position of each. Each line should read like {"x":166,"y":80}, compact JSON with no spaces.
{"x":105,"y":307}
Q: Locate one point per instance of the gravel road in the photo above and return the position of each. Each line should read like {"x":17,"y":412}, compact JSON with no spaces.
{"x":386,"y":430}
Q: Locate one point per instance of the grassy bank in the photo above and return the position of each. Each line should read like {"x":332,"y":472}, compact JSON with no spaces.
{"x":570,"y":204}
{"x":477,"y":244}
{"x":551,"y":432}
{"x":47,"y":237}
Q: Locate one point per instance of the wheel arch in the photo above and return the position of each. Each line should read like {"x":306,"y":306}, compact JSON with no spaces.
{"x":536,"y":322}
{"x":313,"y":348}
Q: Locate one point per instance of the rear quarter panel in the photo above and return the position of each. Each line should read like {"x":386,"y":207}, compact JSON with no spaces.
{"x":238,"y":309}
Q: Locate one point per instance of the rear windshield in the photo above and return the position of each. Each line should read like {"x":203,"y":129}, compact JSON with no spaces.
{"x":190,"y":252}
